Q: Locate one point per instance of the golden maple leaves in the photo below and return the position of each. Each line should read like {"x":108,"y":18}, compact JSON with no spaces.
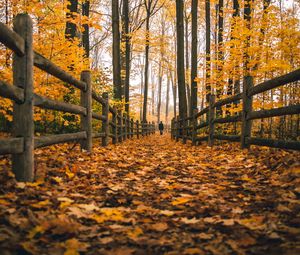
{"x":158,"y":193}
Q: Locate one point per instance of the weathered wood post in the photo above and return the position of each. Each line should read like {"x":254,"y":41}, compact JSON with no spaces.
{"x":125,"y":126}
{"x":105,"y":123}
{"x":114,"y":126}
{"x":177,"y":128}
{"x":142,"y":128}
{"x":247,"y":108}
{"x":120,"y":127}
{"x":184,"y":130}
{"x":146,"y":128}
{"x":153,"y":127}
{"x":86,"y":102}
{"x":131,"y":128}
{"x":194,"y":125}
{"x":137,"y":129}
{"x":128,"y":125}
{"x":211,"y":118}
{"x":23,"y":125}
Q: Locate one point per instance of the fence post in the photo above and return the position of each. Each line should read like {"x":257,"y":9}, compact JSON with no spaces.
{"x":211,"y":118}
{"x":120,"y":127}
{"x":247,"y":108}
{"x":131,"y":128}
{"x":194,"y":124}
{"x":114,"y":126}
{"x":128,"y":125}
{"x":125,"y":126}
{"x":86,"y":102}
{"x":23,"y":125}
{"x":184,"y":130}
{"x":137,"y":129}
{"x":177,"y":128}
{"x":105,"y":123}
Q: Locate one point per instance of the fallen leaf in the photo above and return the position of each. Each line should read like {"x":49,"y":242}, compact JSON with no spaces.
{"x":135,"y":233}
{"x":190,"y":221}
{"x":160,"y":227}
{"x":205,"y":236}
{"x":180,"y":200}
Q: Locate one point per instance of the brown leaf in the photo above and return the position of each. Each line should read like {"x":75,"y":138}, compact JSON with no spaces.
{"x":160,"y":226}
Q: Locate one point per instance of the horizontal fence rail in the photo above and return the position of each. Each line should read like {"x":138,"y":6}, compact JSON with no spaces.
{"x":189,"y":127}
{"x":115,"y":124}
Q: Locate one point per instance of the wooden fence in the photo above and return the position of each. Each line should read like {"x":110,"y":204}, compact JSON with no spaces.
{"x":115,"y":124}
{"x":188,"y":128}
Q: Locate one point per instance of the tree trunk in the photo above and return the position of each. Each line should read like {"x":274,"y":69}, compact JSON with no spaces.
{"x":180,"y":60}
{"x":116,"y":51}
{"x":194,"y":56}
{"x":167,"y":100}
{"x":233,"y":24}
{"x":207,"y":60}
{"x":147,"y":48}
{"x":220,"y":53}
{"x":85,"y":33}
{"x":174,"y":90}
{"x":187,"y":59}
{"x":127,"y":53}
{"x":153,"y":93}
{"x":159,"y":90}
{"x":70,"y":31}
{"x":160,"y":78}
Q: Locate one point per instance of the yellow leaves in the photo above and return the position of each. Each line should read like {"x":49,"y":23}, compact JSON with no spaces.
{"x":253,"y":223}
{"x":169,"y":169}
{"x":29,"y":247}
{"x":4,"y":202}
{"x":69,"y":173}
{"x":192,"y":251}
{"x":167,"y":212}
{"x":57,"y":179}
{"x":36,"y":230}
{"x":35,"y":184}
{"x":180,"y":200}
{"x":108,"y":214}
{"x":65,"y":202}
{"x":41,"y":204}
{"x":246,"y":178}
{"x":75,"y":247}
{"x":72,"y":246}
{"x":135,"y":233}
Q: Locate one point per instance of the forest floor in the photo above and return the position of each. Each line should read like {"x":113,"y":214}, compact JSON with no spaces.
{"x":153,"y":196}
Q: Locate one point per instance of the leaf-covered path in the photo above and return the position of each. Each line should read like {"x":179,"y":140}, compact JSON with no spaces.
{"x":153,"y":196}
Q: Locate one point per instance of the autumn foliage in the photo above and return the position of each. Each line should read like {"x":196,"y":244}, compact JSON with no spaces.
{"x":154,"y":197}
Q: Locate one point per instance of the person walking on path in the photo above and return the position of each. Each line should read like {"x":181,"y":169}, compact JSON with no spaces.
{"x":161,"y":128}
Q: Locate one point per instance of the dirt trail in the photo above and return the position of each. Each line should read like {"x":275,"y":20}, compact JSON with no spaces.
{"x":153,"y":196}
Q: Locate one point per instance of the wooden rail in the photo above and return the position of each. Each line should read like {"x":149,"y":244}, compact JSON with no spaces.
{"x":115,"y":124}
{"x":179,"y":126}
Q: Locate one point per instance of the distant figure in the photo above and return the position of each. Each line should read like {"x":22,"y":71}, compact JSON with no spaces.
{"x":161,"y":127}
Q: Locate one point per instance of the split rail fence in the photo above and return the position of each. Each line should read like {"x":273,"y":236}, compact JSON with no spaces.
{"x":188,"y":128}
{"x":115,"y":124}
